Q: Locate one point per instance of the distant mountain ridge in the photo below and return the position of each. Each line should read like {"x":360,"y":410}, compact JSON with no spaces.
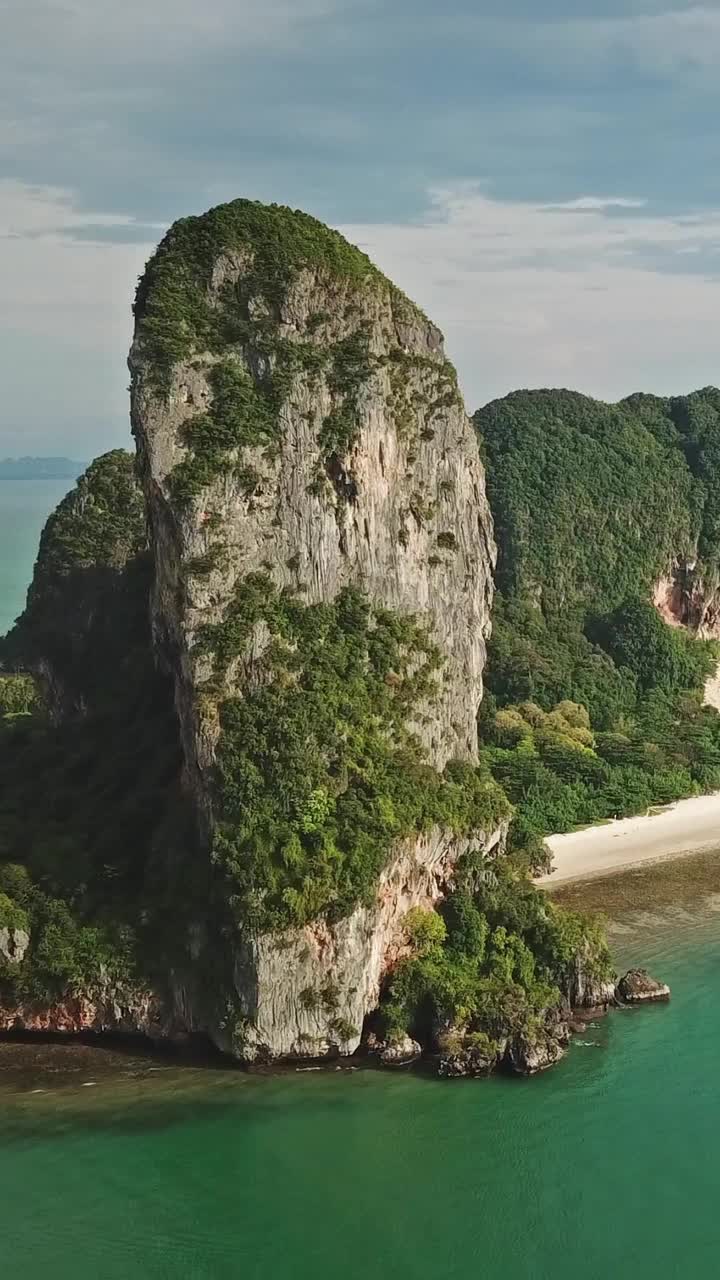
{"x":40,"y":469}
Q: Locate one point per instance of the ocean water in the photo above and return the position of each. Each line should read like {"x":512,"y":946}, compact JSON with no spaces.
{"x":607,"y":1166}
{"x":131,"y":1167}
{"x":24,"y":508}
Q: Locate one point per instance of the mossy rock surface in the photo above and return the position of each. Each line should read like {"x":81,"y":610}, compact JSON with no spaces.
{"x":274,"y":243}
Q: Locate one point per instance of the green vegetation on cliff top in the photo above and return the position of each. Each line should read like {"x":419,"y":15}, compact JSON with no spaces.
{"x":588,"y":505}
{"x":593,"y":502}
{"x":215,"y":288}
{"x":100,"y":524}
{"x":89,"y":587}
{"x":272,"y":242}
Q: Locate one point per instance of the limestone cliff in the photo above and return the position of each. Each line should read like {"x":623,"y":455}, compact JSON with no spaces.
{"x":688,"y":595}
{"x":311,"y":480}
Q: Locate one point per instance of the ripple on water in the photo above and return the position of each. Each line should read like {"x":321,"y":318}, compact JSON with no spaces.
{"x":606,"y":1166}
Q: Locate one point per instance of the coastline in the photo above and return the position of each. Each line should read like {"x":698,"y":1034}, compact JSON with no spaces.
{"x":683,"y":828}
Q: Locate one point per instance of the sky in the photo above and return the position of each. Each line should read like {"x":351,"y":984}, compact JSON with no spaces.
{"x":541,"y":176}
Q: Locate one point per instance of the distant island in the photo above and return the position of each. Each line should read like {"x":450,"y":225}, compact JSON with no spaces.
{"x":40,"y":469}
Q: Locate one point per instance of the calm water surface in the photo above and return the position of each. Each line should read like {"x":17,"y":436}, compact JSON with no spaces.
{"x":24,"y":508}
{"x":607,"y":1166}
{"x":127,"y":1167}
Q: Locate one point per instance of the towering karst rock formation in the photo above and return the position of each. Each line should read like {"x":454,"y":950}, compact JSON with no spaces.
{"x":323,"y":557}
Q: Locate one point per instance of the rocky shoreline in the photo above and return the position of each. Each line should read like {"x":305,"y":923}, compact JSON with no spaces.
{"x":453,"y":1050}
{"x":469,"y":1055}
{"x":455,"y":1053}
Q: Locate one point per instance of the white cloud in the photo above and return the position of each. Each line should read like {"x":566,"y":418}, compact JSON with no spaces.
{"x":596,"y":294}
{"x":537,"y":295}
{"x":65,"y":324}
{"x":599,"y":203}
{"x":27,"y":211}
{"x":76,"y":75}
{"x":54,"y":283}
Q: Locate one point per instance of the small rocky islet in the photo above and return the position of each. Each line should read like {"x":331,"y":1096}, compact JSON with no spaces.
{"x":260,"y":784}
{"x":462,"y":1055}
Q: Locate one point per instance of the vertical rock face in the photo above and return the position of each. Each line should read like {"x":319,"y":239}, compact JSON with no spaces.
{"x":689,"y":596}
{"x":301,"y":434}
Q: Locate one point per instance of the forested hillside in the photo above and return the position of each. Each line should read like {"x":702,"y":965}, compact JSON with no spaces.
{"x":595,"y":701}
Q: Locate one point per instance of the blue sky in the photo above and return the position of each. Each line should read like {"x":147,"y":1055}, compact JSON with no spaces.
{"x":544,"y":178}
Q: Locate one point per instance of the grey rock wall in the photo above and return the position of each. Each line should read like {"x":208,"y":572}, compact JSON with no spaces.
{"x":401,"y":513}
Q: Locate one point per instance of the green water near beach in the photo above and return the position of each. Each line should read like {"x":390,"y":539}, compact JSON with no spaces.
{"x":606,"y":1166}
{"x":123,"y":1166}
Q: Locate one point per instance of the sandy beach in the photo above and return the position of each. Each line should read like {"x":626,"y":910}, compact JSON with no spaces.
{"x":690,"y":826}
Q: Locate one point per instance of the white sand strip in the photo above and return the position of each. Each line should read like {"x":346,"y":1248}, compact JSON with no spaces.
{"x":689,"y":826}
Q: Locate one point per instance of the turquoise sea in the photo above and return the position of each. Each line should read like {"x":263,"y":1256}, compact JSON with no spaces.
{"x":24,"y":508}
{"x":129,"y":1167}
